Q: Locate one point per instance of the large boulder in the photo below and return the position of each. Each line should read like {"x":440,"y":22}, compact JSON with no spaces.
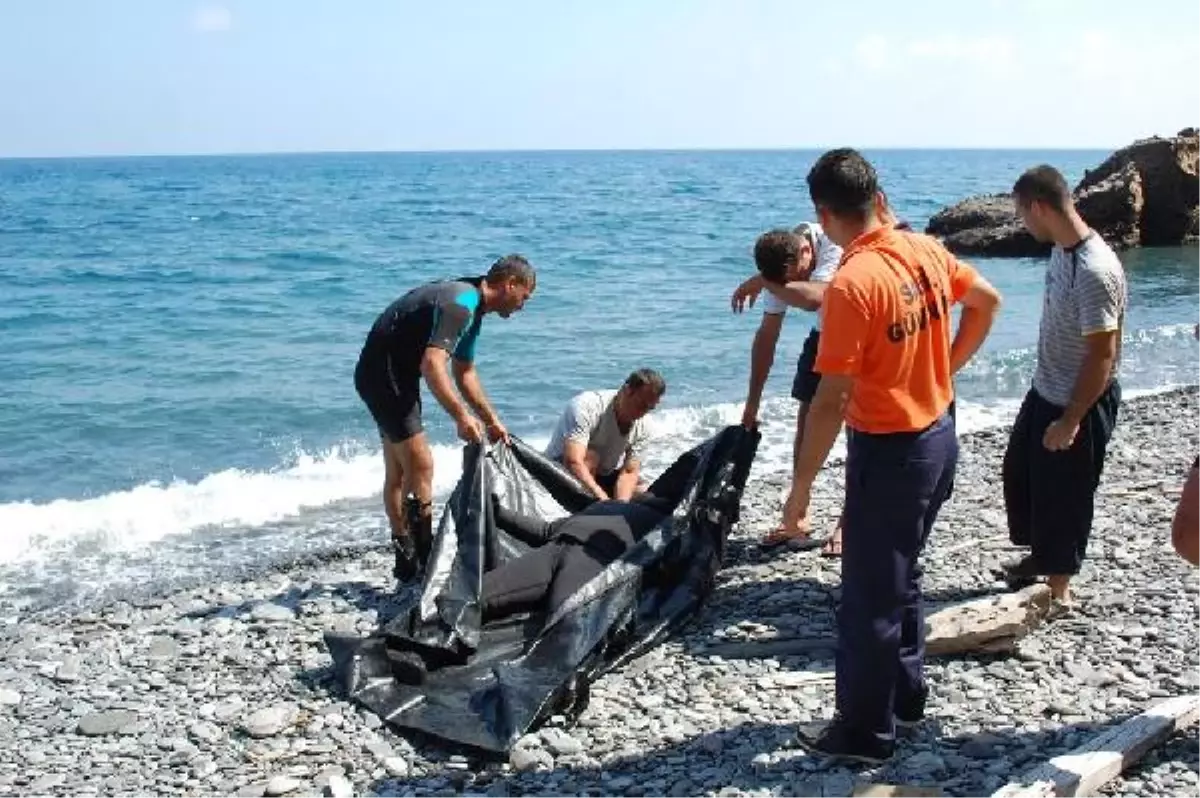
{"x":985,"y":225}
{"x":1142,"y":195}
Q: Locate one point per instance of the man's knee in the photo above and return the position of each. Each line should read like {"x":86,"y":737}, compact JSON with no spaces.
{"x":417,"y":460}
{"x":1185,"y":526}
{"x":1186,"y":538}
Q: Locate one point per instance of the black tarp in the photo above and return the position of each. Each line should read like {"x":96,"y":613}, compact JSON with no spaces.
{"x":501,"y":680}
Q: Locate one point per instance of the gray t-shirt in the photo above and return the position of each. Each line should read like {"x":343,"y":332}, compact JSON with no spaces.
{"x":591,"y":420}
{"x":1085,"y":294}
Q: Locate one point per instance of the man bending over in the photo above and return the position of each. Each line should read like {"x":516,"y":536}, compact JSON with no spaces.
{"x":601,"y":434}
{"x":412,"y":339}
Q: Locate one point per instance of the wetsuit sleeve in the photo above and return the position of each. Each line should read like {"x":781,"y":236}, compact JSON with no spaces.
{"x":525,"y":528}
{"x":453,"y":321}
{"x":465,"y":350}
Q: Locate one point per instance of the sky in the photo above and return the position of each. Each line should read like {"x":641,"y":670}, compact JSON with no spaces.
{"x":125,"y":77}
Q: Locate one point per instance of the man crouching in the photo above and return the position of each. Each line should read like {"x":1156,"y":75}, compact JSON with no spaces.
{"x":601,"y":435}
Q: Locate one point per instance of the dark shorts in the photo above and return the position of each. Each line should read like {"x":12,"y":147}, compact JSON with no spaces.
{"x":1049,"y":497}
{"x":394,"y":399}
{"x":804,"y":386}
{"x":608,"y":481}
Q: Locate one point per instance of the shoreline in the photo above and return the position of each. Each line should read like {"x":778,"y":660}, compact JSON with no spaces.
{"x":225,"y":688}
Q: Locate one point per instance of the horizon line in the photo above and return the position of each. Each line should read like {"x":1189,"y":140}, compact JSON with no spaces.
{"x":549,"y":151}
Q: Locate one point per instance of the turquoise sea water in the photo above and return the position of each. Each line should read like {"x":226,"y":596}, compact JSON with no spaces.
{"x":179,"y":334}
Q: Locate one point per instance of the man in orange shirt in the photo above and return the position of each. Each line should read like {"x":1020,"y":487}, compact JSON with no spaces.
{"x":886,"y":361}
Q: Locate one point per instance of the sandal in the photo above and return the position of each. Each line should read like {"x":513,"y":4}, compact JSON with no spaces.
{"x":832,"y":547}
{"x":800,"y":541}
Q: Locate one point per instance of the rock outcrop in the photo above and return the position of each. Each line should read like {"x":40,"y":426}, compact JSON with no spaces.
{"x":1142,"y":195}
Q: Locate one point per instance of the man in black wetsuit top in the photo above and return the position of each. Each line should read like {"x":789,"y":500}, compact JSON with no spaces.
{"x":411,"y":339}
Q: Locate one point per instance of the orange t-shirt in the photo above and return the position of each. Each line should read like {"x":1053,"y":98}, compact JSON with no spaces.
{"x":887,"y":323}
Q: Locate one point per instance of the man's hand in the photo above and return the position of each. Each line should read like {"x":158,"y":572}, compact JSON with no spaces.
{"x":750,"y":415}
{"x":1060,"y":435}
{"x":745,"y":295}
{"x":497,"y":432}
{"x":470,"y":429}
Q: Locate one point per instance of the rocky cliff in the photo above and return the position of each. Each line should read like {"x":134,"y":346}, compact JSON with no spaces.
{"x":1142,"y":195}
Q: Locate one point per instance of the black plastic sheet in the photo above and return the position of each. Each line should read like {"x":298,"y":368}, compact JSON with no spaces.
{"x":494,"y":682}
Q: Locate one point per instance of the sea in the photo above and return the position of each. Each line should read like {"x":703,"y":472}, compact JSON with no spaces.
{"x":178,"y":334}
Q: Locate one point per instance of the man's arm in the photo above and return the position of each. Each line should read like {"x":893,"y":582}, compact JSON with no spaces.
{"x":762,"y":357}
{"x":839,"y":360}
{"x":575,"y":459}
{"x":627,"y":480}
{"x":746,"y":293}
{"x":1101,"y":289}
{"x":801,"y":294}
{"x":981,"y":303}
{"x":433,"y":369}
{"x":1093,"y":376}
{"x":467,"y":378}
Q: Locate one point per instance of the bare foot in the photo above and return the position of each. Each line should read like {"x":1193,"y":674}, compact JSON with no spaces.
{"x":833,"y":545}
{"x":799,"y":536}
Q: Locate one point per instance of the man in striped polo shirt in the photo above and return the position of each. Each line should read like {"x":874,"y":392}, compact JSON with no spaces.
{"x":1057,"y":446}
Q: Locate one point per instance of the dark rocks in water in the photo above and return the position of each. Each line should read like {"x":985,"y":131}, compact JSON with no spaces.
{"x":985,"y":225}
{"x":1141,"y":195}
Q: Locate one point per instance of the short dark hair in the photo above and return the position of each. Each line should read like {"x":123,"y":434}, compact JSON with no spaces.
{"x":1043,"y":183}
{"x":775,"y":252}
{"x":844,"y":183}
{"x":510,"y":267}
{"x":647,"y":378}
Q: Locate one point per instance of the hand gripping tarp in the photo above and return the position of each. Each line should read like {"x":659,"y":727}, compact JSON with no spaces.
{"x":500,"y":680}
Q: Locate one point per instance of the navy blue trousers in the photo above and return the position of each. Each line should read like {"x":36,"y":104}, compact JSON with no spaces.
{"x":895,"y":486}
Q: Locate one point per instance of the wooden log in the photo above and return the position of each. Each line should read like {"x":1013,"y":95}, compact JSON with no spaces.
{"x":898,"y":790}
{"x":984,"y":625}
{"x":1092,"y":765}
{"x":994,"y":623}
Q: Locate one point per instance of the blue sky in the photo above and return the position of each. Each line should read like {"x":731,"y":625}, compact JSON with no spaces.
{"x":167,"y":76}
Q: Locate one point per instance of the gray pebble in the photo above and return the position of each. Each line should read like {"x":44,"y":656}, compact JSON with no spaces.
{"x":98,"y":724}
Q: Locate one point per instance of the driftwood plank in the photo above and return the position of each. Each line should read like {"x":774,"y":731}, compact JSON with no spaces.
{"x":994,"y":623}
{"x":1092,"y":765}
{"x":897,"y":790}
{"x":989,"y":624}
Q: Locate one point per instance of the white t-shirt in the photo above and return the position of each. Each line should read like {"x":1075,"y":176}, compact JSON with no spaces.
{"x":826,"y":256}
{"x":591,"y":420}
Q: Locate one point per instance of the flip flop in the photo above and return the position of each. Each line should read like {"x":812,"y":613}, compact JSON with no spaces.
{"x":800,"y":541}
{"x":828,"y":547}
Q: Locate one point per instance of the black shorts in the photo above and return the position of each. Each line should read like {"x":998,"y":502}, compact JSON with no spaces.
{"x":608,"y":481}
{"x":394,"y":398}
{"x":1049,"y":497}
{"x":804,"y":386}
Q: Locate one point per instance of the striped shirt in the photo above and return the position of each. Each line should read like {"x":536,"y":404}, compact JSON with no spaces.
{"x":1085,"y":294}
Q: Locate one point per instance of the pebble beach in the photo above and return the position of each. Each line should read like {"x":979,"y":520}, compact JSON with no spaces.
{"x":227,"y":689}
